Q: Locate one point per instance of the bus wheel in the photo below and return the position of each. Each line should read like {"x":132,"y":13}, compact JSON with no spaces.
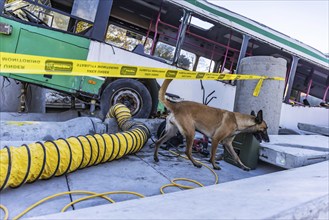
{"x":129,"y":92}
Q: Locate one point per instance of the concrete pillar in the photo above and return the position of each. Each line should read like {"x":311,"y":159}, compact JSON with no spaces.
{"x":10,"y":92}
{"x":270,"y":97}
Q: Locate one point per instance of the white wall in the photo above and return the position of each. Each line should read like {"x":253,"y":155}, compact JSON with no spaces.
{"x":191,"y":90}
{"x":292,"y":115}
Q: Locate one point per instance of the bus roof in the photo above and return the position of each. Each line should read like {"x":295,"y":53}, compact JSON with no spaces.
{"x":255,"y":30}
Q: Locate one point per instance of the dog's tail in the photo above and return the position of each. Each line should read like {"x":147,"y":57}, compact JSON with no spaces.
{"x":162,"y":93}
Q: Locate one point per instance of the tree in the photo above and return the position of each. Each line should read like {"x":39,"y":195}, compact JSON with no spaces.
{"x":164,"y":51}
{"x":184,"y":62}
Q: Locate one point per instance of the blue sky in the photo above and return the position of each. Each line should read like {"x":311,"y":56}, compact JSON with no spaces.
{"x":306,"y":21}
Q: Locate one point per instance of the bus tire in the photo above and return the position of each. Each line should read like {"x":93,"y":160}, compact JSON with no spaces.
{"x":129,"y":92}
{"x":153,"y":87}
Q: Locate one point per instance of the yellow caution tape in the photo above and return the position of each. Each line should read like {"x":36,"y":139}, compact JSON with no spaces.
{"x":258,"y":87}
{"x":30,"y":64}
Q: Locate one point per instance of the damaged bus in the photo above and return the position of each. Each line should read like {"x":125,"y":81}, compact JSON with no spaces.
{"x":188,"y":34}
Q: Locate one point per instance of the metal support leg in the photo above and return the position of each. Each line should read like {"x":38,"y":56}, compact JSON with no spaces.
{"x":243,"y":49}
{"x":325,"y":94}
{"x":92,"y":106}
{"x":226,"y":53}
{"x":101,"y":20}
{"x":181,"y":35}
{"x":156,"y":31}
{"x":2,"y":5}
{"x":22,"y":106}
{"x":292,"y":73}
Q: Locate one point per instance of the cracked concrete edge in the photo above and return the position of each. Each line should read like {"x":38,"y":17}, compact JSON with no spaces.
{"x":314,"y":209}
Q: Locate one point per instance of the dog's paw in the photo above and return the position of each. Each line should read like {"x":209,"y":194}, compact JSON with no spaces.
{"x":198,"y":165}
{"x":216,"y":167}
{"x":246,"y":168}
{"x":156,"y":159}
{"x":216,"y":162}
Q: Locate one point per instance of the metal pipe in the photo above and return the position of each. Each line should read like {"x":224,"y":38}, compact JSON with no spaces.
{"x":148,"y":32}
{"x":212,"y":57}
{"x":156,"y":30}
{"x":325,"y":94}
{"x":155,"y":37}
{"x":309,"y":88}
{"x":225,"y":57}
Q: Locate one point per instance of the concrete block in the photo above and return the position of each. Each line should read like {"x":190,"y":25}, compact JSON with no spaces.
{"x":42,"y":131}
{"x":291,"y":151}
{"x":56,"y":117}
{"x":324,"y":130}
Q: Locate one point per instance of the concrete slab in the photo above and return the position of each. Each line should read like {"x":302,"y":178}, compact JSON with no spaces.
{"x":14,"y":116}
{"x":301,"y":193}
{"x":17,"y":200}
{"x":306,"y":140}
{"x":291,"y":151}
{"x":324,"y":130}
{"x":127,"y":174}
{"x":42,"y":131}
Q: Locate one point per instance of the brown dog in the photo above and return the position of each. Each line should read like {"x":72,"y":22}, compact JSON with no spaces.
{"x":219,"y":125}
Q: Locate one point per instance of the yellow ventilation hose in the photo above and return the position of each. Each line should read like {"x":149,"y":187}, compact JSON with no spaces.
{"x":29,"y":163}
{"x":81,"y":152}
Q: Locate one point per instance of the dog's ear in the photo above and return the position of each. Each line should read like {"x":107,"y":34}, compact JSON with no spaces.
{"x":259,"y":117}
{"x":253,"y":113}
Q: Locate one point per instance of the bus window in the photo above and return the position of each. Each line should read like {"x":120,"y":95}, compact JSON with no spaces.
{"x":125,"y":39}
{"x":313,"y":101}
{"x":186,"y":60}
{"x":85,"y":9}
{"x":164,"y":51}
{"x":201,"y":24}
{"x":39,"y":15}
{"x":205,"y":65}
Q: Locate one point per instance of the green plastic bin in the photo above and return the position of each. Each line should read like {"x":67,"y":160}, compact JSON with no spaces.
{"x":247,"y":148}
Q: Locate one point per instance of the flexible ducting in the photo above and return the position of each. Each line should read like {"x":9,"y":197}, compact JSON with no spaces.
{"x":28,"y":163}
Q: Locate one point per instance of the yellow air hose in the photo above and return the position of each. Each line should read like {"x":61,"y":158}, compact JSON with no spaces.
{"x":75,"y":153}
{"x":29,"y":163}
